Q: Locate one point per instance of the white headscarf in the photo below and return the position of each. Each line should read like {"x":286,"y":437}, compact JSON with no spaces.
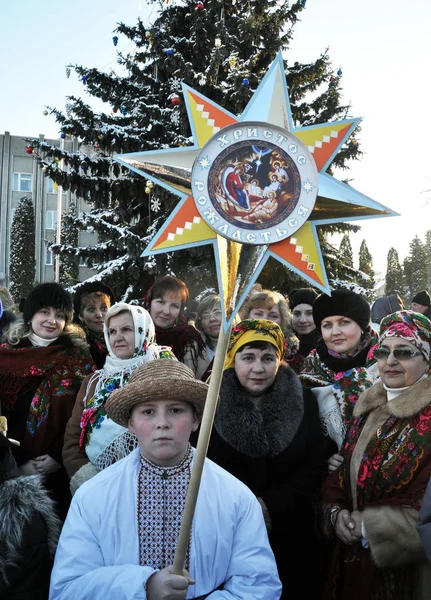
{"x":145,"y":347}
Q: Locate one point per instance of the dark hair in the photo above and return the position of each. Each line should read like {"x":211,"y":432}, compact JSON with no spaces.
{"x":171,"y":284}
{"x":257,"y":345}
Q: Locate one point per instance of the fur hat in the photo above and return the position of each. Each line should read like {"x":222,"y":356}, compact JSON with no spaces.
{"x":422,"y":298}
{"x":91,"y":287}
{"x":302,"y":296}
{"x":48,"y":295}
{"x":159,"y":379}
{"x":342,"y":302}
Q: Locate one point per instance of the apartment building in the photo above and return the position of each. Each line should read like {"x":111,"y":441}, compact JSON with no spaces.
{"x":20,"y":176}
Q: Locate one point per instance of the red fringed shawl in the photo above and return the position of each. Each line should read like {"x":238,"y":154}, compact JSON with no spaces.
{"x":62,"y":370}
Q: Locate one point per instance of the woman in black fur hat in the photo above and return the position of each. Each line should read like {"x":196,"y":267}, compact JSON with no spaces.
{"x":342,"y":365}
{"x":268,"y":436}
{"x":42,"y":364}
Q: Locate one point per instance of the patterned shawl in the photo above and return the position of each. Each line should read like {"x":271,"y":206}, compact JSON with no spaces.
{"x":394,"y":470}
{"x":62,"y":368}
{"x":348,"y":377}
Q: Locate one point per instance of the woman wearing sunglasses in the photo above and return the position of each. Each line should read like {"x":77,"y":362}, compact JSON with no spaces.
{"x":371,"y":502}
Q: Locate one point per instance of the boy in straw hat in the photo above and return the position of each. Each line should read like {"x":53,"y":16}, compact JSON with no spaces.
{"x":119,"y":539}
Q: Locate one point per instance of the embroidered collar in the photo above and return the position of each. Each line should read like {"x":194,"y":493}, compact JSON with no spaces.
{"x":162,"y":495}
{"x":166,"y":472}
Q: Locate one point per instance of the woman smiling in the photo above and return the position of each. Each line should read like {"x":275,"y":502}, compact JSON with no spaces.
{"x":42,"y":365}
{"x":341,"y":366}
{"x":371,"y":502}
{"x":166,"y":301}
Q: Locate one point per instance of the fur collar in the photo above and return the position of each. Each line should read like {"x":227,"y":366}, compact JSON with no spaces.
{"x":20,"y":498}
{"x":407,"y":404}
{"x":263,"y":431}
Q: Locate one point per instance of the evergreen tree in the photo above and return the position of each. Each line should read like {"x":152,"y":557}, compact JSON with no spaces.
{"x":69,"y":261}
{"x":366,"y":267}
{"x":223,"y":50}
{"x":415,"y":268}
{"x":394,"y":274}
{"x":346,"y":252}
{"x":22,"y":268}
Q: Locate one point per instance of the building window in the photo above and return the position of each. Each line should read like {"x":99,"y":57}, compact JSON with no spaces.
{"x":22,"y":182}
{"x":49,"y":258}
{"x":51,"y":220}
{"x":51,"y":186}
{"x":83,"y":262}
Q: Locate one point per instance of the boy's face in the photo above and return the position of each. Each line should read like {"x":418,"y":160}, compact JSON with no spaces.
{"x":163,"y":428}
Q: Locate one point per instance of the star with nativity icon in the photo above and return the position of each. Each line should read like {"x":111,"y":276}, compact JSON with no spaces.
{"x":254,"y":186}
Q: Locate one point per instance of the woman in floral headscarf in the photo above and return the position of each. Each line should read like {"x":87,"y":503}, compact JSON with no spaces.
{"x":371,"y":502}
{"x":270,"y":438}
{"x":92,"y":440}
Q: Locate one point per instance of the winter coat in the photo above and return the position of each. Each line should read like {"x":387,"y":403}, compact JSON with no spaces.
{"x":279,"y":451}
{"x":29,"y":530}
{"x":424,"y":523}
{"x":48,"y":435}
{"x":387,"y":465}
{"x":73,"y":457}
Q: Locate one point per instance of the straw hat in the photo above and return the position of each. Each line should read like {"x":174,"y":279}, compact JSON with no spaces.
{"x":160,"y":379}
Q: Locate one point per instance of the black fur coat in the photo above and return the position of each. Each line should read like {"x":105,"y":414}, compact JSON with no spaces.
{"x":29,"y":531}
{"x":279,"y":451}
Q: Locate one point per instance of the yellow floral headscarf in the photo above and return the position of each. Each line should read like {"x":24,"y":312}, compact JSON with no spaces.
{"x":254,"y":330}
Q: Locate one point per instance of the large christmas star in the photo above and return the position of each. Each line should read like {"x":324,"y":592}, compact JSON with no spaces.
{"x":211,"y":212}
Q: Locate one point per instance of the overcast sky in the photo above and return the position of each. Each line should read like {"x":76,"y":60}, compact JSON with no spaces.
{"x":383,"y":49}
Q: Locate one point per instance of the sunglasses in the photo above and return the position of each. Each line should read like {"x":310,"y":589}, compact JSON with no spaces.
{"x":399,"y":353}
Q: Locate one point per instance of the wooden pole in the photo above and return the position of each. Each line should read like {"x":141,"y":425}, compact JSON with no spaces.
{"x":201,"y":451}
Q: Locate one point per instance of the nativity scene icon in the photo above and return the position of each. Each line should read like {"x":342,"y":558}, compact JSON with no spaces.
{"x":254,"y":186}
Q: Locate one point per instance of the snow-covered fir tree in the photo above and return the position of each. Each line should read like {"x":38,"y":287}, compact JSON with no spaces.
{"x":69,"y":260}
{"x":394,"y":274}
{"x":22,"y":267}
{"x":366,"y":267}
{"x":221,"y":48}
{"x":340,"y":269}
{"x":415,"y":269}
{"x":346,"y":252}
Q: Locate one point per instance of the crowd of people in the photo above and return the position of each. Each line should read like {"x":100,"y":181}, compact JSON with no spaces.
{"x":319,"y":460}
